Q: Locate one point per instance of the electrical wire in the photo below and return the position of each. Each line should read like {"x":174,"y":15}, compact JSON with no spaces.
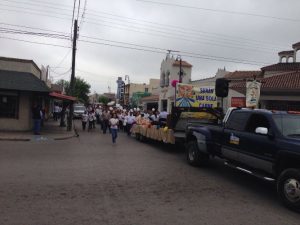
{"x":34,"y":42}
{"x":222,"y":11}
{"x":166,"y":27}
{"x":208,"y":41}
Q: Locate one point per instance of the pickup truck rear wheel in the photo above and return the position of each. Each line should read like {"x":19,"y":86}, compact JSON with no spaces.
{"x":194,"y":156}
{"x":288,"y":188}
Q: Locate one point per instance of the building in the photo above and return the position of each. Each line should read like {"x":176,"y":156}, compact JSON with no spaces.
{"x":280,"y":89}
{"x":169,"y":71}
{"x":120,"y":90}
{"x":94,"y":98}
{"x":134,"y":89}
{"x":20,"y":87}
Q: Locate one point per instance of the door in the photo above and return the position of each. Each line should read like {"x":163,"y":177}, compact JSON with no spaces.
{"x":258,"y":150}
{"x":234,"y":129}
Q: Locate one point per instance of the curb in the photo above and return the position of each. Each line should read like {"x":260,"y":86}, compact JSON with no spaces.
{"x":15,"y":139}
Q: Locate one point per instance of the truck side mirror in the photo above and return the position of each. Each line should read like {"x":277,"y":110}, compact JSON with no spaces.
{"x":262,"y":130}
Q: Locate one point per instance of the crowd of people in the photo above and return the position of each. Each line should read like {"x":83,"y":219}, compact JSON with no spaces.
{"x":115,"y":119}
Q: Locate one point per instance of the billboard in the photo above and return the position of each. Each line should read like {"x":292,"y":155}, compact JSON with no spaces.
{"x":198,"y":97}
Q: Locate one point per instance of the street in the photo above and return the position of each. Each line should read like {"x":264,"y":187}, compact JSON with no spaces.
{"x":88,"y":180}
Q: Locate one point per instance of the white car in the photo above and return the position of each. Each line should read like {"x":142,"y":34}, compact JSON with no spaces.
{"x":78,"y":111}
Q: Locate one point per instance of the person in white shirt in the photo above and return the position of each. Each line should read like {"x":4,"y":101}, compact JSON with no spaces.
{"x":84,"y":120}
{"x":163,"y":117}
{"x":130,"y":120}
{"x":55,"y":112}
{"x":113,"y":122}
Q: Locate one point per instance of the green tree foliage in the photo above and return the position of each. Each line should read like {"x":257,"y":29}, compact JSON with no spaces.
{"x":103,"y":99}
{"x":81,"y":89}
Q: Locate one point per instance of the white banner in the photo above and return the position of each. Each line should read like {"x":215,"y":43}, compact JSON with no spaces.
{"x":252,"y":93}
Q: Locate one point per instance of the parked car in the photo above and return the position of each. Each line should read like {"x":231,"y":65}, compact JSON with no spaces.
{"x":263,"y":143}
{"x":78,"y":111}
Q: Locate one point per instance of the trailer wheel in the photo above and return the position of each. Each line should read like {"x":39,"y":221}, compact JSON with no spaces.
{"x":194,"y":156}
{"x":288,"y":188}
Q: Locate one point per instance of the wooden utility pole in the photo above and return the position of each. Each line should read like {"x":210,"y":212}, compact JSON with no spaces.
{"x":72,"y":82}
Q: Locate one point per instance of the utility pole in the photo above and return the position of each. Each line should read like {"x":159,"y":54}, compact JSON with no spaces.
{"x":72,"y":82}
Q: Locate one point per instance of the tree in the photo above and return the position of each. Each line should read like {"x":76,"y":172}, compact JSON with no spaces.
{"x":81,"y":89}
{"x":103,"y":99}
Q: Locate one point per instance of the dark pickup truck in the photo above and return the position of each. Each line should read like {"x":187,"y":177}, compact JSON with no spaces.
{"x":263,"y":143}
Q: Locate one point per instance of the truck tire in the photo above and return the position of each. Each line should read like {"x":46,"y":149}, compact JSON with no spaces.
{"x":288,"y":188}
{"x":194,"y":156}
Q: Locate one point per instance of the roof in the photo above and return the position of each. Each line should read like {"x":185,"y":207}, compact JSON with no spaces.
{"x":183,"y":64}
{"x":296,"y":45}
{"x":282,"y":67}
{"x":282,"y":82}
{"x":63,"y":97}
{"x":286,"y":52}
{"x":243,"y":74}
{"x":20,"y":60}
{"x":150,"y":98}
{"x":11,"y":80}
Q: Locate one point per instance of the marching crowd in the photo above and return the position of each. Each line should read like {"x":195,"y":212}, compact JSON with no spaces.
{"x":119,"y":119}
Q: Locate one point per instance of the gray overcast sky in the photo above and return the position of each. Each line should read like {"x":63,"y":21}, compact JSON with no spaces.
{"x":213,"y":33}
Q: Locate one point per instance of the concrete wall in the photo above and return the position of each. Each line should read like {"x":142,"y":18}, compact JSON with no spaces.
{"x":24,"y":122}
{"x":19,"y":66}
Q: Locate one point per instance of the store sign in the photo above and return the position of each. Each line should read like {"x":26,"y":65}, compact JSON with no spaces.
{"x":252,"y":94}
{"x":198,"y":97}
{"x":238,"y":102}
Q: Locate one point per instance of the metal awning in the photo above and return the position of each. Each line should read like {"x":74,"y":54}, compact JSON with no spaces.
{"x":62,"y":97}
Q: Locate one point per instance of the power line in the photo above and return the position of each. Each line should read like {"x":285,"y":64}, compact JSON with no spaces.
{"x":161,"y":52}
{"x":34,"y":42}
{"x":99,"y":14}
{"x":229,"y":45}
{"x":221,"y":11}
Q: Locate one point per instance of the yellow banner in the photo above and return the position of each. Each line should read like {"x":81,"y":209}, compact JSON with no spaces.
{"x":198,"y":97}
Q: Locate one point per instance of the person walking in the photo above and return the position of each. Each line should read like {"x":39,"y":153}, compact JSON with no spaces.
{"x":130,"y":120}
{"x":37,"y":116}
{"x":85,"y":119}
{"x":105,"y":119}
{"x":113,"y":122}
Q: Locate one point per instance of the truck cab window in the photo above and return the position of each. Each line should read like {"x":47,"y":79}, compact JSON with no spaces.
{"x":237,"y":120}
{"x":255,"y":121}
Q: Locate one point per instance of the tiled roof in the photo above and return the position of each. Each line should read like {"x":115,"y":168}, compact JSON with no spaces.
{"x":11,"y":80}
{"x":282,"y":67}
{"x":150,"y":98}
{"x":242,"y":74}
{"x":183,"y":64}
{"x":286,"y":52}
{"x":285,"y":81}
{"x":296,"y":45}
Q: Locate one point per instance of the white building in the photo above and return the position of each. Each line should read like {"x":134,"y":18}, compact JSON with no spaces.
{"x":169,"y":71}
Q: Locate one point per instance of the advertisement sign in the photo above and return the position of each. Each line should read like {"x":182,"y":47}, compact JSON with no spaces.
{"x":238,"y":102}
{"x":192,"y":96}
{"x":252,"y":93}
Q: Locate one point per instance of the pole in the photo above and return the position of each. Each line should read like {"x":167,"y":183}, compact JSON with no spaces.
{"x":72,"y":82}
{"x":180,"y":70}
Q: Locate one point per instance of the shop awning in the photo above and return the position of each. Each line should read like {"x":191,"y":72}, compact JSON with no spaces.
{"x":62,"y":97}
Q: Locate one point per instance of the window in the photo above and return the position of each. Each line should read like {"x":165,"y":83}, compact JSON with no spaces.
{"x":255,"y":121}
{"x":146,"y":90}
{"x":9,"y":102}
{"x":289,"y":125}
{"x":237,"y":121}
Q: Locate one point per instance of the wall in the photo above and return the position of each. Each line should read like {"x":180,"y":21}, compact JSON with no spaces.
{"x":19,"y":66}
{"x":24,"y":122}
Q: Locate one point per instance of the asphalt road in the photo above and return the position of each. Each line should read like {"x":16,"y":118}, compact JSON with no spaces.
{"x":88,"y":181}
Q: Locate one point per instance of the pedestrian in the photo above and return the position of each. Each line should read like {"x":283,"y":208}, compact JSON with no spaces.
{"x":37,"y":116}
{"x":130,"y":120}
{"x":91,"y":120}
{"x":85,"y":119}
{"x":105,"y":119}
{"x":113,"y":122}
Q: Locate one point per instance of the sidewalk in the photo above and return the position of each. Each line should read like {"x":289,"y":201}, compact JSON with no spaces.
{"x":50,"y":131}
